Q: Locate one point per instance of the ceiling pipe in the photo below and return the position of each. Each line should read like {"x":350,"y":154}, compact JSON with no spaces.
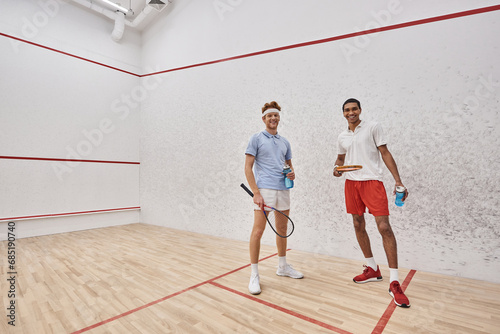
{"x":116,"y":6}
{"x":150,"y":10}
{"x":146,"y":12}
{"x":106,"y":12}
{"x":119,"y":17}
{"x":119,"y":28}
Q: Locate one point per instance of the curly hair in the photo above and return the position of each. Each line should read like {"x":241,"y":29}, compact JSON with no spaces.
{"x":270,"y":105}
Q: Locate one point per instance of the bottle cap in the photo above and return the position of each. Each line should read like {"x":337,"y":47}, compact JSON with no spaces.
{"x":400,"y":189}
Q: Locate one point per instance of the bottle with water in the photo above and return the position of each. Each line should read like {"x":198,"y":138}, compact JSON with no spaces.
{"x":288,"y":182}
{"x":400,"y":193}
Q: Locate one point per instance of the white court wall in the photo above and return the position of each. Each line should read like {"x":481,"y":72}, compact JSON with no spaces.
{"x":56,"y":106}
{"x":434,"y":87}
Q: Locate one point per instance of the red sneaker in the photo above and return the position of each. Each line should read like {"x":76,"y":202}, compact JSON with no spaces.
{"x":397,"y":293}
{"x":368,"y":275}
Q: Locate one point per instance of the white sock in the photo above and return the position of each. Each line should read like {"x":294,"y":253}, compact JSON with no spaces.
{"x":255,"y":268}
{"x":394,"y":275}
{"x":370,"y":261}
{"x":282,"y":261}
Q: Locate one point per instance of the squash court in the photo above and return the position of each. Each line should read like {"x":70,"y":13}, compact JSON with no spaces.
{"x":124,"y":129}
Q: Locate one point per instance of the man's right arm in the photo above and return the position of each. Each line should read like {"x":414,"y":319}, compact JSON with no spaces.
{"x":257,"y":197}
{"x":339,"y":162}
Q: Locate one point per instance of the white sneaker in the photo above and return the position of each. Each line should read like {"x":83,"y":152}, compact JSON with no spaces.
{"x":289,"y":271}
{"x":254,"y":285}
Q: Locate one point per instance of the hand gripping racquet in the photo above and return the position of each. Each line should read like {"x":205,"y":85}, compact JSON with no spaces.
{"x":280,"y":223}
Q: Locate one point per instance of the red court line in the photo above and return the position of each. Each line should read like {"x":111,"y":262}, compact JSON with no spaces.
{"x":72,"y":160}
{"x":70,"y":213}
{"x":379,"y":328}
{"x":279,"y":308}
{"x":119,"y":316}
{"x":340,"y":37}
{"x":67,"y":54}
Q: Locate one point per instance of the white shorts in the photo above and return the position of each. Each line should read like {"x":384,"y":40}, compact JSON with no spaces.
{"x":278,"y":199}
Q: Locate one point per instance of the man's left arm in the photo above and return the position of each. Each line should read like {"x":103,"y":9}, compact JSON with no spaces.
{"x":393,"y":168}
{"x":290,"y":175}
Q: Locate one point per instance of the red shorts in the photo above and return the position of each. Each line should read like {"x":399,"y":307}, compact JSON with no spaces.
{"x":360,"y":195}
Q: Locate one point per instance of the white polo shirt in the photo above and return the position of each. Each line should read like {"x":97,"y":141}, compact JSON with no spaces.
{"x":361,"y":148}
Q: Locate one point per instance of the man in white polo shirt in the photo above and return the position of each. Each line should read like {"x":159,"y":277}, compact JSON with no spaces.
{"x":266,"y":154}
{"x":363,"y":143}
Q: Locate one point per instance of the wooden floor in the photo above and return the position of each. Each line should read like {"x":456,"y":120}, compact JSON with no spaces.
{"x":148,"y":279}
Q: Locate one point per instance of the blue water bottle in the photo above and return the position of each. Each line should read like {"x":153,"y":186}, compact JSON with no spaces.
{"x":288,"y":182}
{"x":400,"y":193}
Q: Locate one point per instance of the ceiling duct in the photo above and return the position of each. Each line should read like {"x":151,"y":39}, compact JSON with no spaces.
{"x":149,"y":11}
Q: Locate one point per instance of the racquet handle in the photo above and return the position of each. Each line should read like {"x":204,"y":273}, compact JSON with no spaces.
{"x":246,"y":189}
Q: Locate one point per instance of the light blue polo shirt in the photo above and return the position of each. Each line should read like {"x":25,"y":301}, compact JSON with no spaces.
{"x":270,"y":152}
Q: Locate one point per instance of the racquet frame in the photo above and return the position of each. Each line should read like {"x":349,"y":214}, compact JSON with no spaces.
{"x":347,"y":168}
{"x":275,"y":211}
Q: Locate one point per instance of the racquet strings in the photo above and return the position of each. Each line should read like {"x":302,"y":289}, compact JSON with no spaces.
{"x":280,"y":223}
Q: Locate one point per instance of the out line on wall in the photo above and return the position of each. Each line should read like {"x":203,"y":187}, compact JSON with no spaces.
{"x":68,"y":54}
{"x":340,"y":37}
{"x":288,"y":47}
{"x":70,"y":160}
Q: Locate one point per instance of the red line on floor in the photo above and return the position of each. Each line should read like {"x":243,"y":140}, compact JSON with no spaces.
{"x":70,"y":160}
{"x":282,"y":309}
{"x":379,"y":328}
{"x":119,"y":316}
